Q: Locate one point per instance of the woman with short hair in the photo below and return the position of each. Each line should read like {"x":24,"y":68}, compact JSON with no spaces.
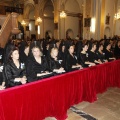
{"x":53,"y":61}
{"x":37,"y":66}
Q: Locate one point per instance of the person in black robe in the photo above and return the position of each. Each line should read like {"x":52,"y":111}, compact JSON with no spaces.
{"x":78,"y":47}
{"x":92,"y":56}
{"x":101,"y":54}
{"x":37,"y":66}
{"x":1,"y":54}
{"x":7,"y":49}
{"x":54,"y":63}
{"x":83,"y":56}
{"x":14,"y":71}
{"x":108,"y":53}
{"x":2,"y":78}
{"x":2,"y":82}
{"x":117,"y":50}
{"x":71,"y":60}
{"x":62,"y":54}
{"x":24,"y":52}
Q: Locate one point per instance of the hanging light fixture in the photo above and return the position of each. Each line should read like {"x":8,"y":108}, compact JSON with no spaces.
{"x":117,"y":16}
{"x":63,"y":14}
{"x":39,"y":20}
{"x":23,"y":22}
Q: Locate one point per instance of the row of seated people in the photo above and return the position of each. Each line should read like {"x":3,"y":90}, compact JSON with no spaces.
{"x":36,"y":66}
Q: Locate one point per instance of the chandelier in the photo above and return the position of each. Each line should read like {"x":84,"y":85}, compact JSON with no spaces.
{"x":117,"y":16}
{"x":23,"y":22}
{"x":39,"y":20}
{"x":63,"y":14}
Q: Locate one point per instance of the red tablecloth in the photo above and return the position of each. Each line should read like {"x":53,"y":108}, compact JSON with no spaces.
{"x":53,"y":96}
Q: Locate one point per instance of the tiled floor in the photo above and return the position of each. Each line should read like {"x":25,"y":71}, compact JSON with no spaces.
{"x":107,"y":107}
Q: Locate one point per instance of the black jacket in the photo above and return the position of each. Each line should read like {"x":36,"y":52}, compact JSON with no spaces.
{"x":108,"y":55}
{"x":54,"y":64}
{"x":1,"y":55}
{"x":82,"y":58}
{"x":70,"y":61}
{"x":117,"y":52}
{"x":11,"y":72}
{"x":92,"y":56}
{"x":23,"y":58}
{"x":33,"y":68}
{"x":101,"y":56}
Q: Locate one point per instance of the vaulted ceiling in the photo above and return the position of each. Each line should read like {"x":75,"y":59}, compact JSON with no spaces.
{"x":11,"y":2}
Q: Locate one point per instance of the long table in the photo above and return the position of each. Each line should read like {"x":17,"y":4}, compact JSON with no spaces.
{"x":53,"y":96}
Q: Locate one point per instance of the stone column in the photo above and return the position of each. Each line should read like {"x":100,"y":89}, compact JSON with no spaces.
{"x":115,"y":11}
{"x":15,"y":29}
{"x":36,"y":16}
{"x":98,"y":22}
{"x":87,"y":14}
{"x":95,"y":19}
{"x":102,"y":24}
{"x":56,"y":20}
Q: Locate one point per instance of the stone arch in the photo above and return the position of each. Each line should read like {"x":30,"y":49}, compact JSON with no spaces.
{"x":72,"y":5}
{"x":28,"y":8}
{"x":52,"y":2}
{"x":42,"y":5}
{"x":49,"y":8}
{"x":48,"y":18}
{"x":69,"y":33}
{"x":64,"y":3}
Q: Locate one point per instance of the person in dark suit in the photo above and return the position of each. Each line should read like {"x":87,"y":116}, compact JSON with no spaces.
{"x":37,"y":66}
{"x":71,"y":59}
{"x":53,"y":61}
{"x":14,"y":71}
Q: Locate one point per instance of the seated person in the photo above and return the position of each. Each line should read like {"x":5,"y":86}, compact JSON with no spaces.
{"x":54,"y":63}
{"x":37,"y":66}
{"x":2,"y":86}
{"x":83,"y":56}
{"x":14,"y":70}
{"x":108,"y":54}
{"x":24,"y":51}
{"x":92,"y":56}
{"x":100,"y":53}
{"x":62,"y":54}
{"x":71,"y":59}
{"x":2,"y":80}
{"x":117,"y":50}
{"x":1,"y":54}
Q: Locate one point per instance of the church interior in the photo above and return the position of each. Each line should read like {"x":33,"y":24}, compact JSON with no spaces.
{"x":84,"y":18}
{"x":38,"y":20}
